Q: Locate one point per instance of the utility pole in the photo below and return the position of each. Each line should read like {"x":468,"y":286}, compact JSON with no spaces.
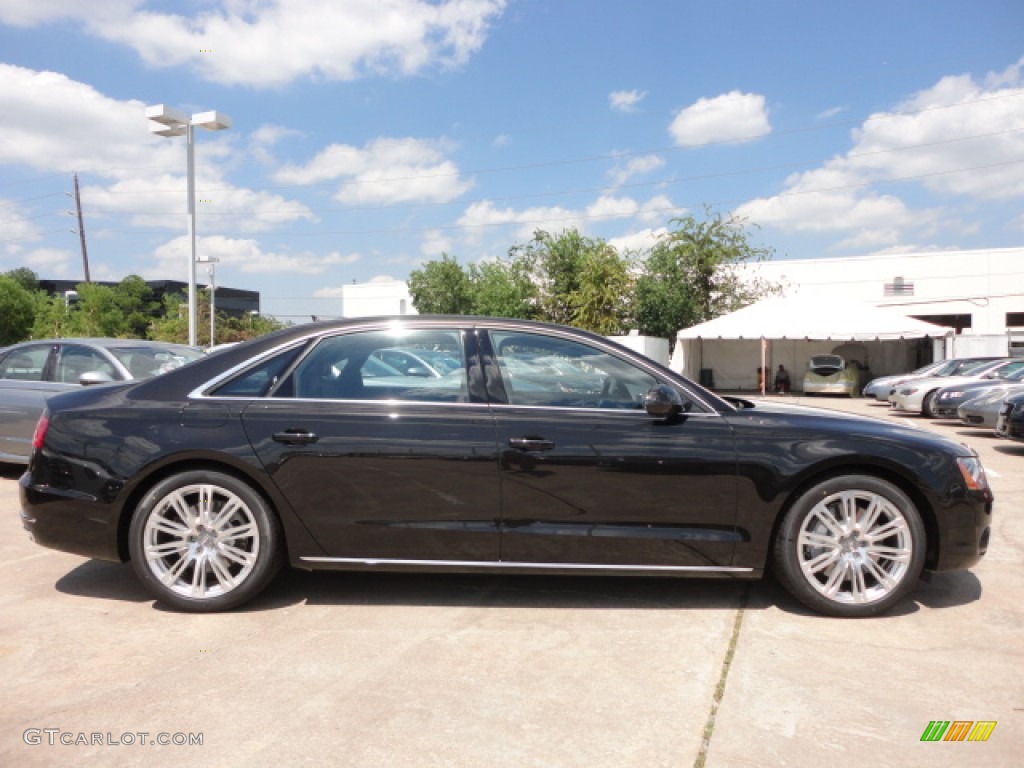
{"x":81,"y":230}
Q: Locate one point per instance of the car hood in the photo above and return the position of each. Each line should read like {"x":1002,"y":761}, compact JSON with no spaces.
{"x":823,"y":423}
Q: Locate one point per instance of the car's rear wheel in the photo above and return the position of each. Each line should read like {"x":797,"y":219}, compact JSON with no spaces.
{"x":851,"y":546}
{"x":204,"y":541}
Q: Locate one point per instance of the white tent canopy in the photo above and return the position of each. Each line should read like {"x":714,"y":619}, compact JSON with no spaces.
{"x":796,"y":328}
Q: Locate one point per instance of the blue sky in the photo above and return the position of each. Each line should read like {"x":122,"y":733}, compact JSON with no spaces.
{"x":371,"y":135}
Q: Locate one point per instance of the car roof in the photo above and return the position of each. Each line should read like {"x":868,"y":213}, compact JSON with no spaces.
{"x":105,"y":343}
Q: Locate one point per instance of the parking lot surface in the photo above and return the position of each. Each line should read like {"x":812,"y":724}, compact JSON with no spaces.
{"x":408,"y":670}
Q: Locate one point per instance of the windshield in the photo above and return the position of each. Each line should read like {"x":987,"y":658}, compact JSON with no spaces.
{"x":146,"y":362}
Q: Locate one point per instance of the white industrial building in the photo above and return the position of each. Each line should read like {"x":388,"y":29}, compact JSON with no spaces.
{"x":376,"y":298}
{"x":980,"y":293}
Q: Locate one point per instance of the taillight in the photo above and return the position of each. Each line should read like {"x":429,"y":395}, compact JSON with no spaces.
{"x":40,"y":434}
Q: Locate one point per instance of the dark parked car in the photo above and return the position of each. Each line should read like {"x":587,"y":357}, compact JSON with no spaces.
{"x":949,"y":399}
{"x":1010,"y":422}
{"x":282,"y":449}
{"x":32,"y":371}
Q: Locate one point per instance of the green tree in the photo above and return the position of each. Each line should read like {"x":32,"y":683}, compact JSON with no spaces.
{"x":54,"y":319}
{"x":17,"y":310}
{"x":441,"y":288}
{"x":172,"y":322}
{"x":603,"y":298}
{"x":695,"y":273}
{"x":556,"y":262}
{"x":579,"y":280}
{"x":24,"y":277}
{"x":503,"y":289}
{"x":98,"y":313}
{"x":135,"y":299}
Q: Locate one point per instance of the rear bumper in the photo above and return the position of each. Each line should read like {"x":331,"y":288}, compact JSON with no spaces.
{"x":64,"y":520}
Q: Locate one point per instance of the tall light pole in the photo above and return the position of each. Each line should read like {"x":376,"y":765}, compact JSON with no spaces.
{"x":166,"y":121}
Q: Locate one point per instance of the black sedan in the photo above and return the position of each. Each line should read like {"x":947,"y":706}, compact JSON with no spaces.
{"x":284,"y":448}
{"x":1010,"y":422}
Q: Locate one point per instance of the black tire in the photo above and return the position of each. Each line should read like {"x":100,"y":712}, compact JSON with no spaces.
{"x":851,"y":546}
{"x":204,"y":541}
{"x":928,"y":404}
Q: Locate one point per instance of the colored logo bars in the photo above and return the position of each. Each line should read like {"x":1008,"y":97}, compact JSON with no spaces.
{"x":958,"y":730}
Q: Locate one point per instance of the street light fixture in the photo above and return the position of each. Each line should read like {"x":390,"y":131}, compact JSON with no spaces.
{"x":168,"y":122}
{"x":212,"y":263}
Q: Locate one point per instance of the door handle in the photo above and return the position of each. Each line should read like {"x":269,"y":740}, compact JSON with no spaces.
{"x":295,"y":437}
{"x":531,"y":443}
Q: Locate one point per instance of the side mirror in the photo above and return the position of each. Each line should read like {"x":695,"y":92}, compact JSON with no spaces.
{"x":94,"y":377}
{"x":662,"y":401}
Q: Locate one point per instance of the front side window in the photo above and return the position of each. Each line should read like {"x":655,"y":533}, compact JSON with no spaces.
{"x":74,"y":361}
{"x":426,"y":366}
{"x":25,"y":364}
{"x":549,"y":371}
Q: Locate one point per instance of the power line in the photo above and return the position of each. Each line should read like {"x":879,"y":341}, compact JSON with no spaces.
{"x":601,"y":217}
{"x":676,"y":179}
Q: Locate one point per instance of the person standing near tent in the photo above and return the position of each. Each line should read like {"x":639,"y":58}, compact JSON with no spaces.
{"x":782,"y":380}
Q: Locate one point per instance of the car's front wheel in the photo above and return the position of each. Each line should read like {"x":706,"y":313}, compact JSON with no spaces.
{"x":850,"y":546}
{"x":204,"y":541}
{"x":928,"y":404}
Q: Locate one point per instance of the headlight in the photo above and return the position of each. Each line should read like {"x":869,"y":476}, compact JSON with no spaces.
{"x":948,"y":395}
{"x":908,"y":391}
{"x":972,"y":472}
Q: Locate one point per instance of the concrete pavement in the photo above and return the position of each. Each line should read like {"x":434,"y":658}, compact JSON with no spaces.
{"x":406,"y":670}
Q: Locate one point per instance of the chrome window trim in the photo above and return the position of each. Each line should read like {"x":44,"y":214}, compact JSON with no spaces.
{"x":468,"y":324}
{"x":500,"y":564}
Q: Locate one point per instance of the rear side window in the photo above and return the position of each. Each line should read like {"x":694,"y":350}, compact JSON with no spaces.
{"x":258,"y":380}
{"x":422,"y":365}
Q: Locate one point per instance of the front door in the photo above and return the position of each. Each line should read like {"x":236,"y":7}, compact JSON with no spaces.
{"x":589,"y":478}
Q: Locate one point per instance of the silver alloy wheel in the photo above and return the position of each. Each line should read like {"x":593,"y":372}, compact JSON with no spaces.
{"x":201,"y":541}
{"x":854,"y":547}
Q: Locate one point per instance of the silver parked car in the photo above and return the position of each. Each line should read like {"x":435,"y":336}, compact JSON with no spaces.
{"x":884,"y":386}
{"x":32,"y":371}
{"x":879,"y":388}
{"x":983,"y":410}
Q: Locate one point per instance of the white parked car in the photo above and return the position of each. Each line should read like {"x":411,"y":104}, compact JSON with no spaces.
{"x":918,"y":395}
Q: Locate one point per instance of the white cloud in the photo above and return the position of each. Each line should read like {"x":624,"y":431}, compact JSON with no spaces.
{"x":273,"y":42}
{"x":733,"y":116}
{"x":53,"y":123}
{"x":263,"y":139}
{"x":29,"y":14}
{"x":384,"y":171}
{"x":483,"y":214}
{"x":434,"y":243}
{"x":625,"y":101}
{"x":659,"y":208}
{"x":159,"y":201}
{"x":956,"y":139}
{"x":635,"y":166}
{"x":606,"y":207}
{"x":53,"y":262}
{"x":642,"y":240}
{"x":242,"y":255}
{"x":831,"y":112}
{"x":15,"y":226}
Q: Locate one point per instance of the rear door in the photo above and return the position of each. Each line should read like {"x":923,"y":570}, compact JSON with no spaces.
{"x":379,"y":465}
